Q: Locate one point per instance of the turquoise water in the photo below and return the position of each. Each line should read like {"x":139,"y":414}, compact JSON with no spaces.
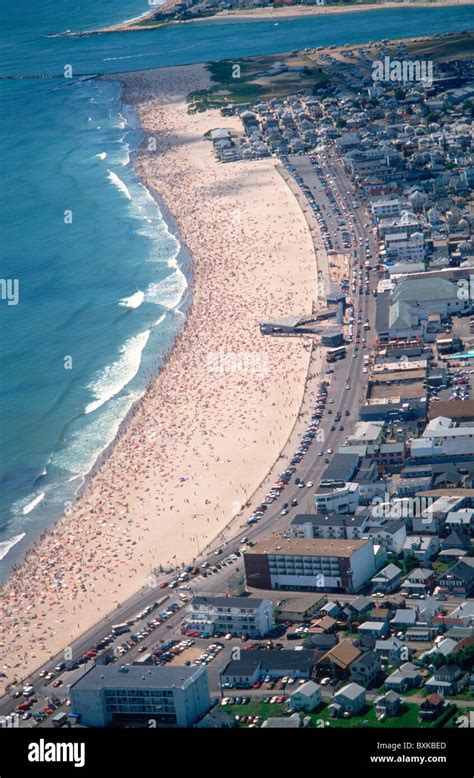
{"x":102,"y":277}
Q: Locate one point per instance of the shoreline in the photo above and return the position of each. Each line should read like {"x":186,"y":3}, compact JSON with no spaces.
{"x":270,"y":13}
{"x":186,"y":266}
{"x":124,"y":502}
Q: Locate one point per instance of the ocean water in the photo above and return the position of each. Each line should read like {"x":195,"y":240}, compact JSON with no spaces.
{"x":103,"y":280}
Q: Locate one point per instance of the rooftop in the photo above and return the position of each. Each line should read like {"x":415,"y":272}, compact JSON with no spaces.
{"x":307,"y":547}
{"x":125,"y":676}
{"x":330,"y":519}
{"x":228,"y":602}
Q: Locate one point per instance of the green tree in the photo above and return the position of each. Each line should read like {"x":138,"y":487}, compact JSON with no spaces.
{"x":463,"y":659}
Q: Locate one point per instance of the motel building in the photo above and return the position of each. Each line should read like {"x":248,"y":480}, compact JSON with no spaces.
{"x":132,"y":695}
{"x":310,"y":564}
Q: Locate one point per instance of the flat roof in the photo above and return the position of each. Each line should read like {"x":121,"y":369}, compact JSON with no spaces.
{"x":284,"y":659}
{"x":398,"y":392}
{"x":336,"y":547}
{"x":341,"y":468}
{"x":228,"y":602}
{"x":398,"y":375}
{"x":330,"y":519}
{"x":149,"y":677}
{"x":454,"y":409}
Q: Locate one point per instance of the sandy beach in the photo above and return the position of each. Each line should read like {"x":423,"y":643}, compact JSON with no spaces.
{"x":216,"y":418}
{"x":304,"y":10}
{"x":285,"y":11}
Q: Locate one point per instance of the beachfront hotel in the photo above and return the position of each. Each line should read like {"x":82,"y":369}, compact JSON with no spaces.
{"x":310,"y":564}
{"x":176,"y":696}
{"x":251,"y":616}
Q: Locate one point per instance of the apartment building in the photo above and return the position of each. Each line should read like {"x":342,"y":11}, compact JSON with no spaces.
{"x":236,"y":615}
{"x":310,"y":564}
{"x":332,"y":525}
{"x":176,"y":696}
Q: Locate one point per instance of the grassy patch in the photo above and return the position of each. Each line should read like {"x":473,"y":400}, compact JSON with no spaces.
{"x":256,"y":708}
{"x":368,"y":719}
{"x":441,"y":567}
{"x":458,"y":46}
{"x":247,"y":80}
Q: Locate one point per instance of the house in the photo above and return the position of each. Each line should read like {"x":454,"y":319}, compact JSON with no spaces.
{"x":380,"y":614}
{"x":291,"y":722}
{"x":431,"y":708}
{"x":459,"y":579}
{"x":338,"y":660}
{"x":388,"y":704}
{"x":419,"y":581}
{"x":386,"y":580}
{"x":465,"y":614}
{"x":390,"y":650}
{"x":216,"y":719}
{"x":406,"y":677}
{"x":358,"y":606}
{"x":424,"y":547}
{"x":428,"y":609}
{"x":419,"y":633}
{"x":332,"y":609}
{"x":456,"y":539}
{"x":326,"y":624}
{"x":307,"y":697}
{"x":462,"y":519}
{"x":350,"y":700}
{"x":444,"y":646}
{"x":374,"y":629}
{"x":448,"y":679}
{"x":390,"y":534}
{"x":320,"y":641}
{"x":365,"y":670}
{"x":299,"y":608}
{"x":404,"y":618}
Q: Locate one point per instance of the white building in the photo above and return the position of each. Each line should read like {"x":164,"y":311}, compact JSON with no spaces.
{"x":176,"y":696}
{"x":424,"y":547}
{"x":310,"y":564}
{"x":238,"y":615}
{"x":404,"y":248}
{"x":334,"y":525}
{"x":306,"y":697}
{"x":385,"y":207}
{"x":389,"y":534}
{"x":407,"y":223}
{"x":337,"y":499}
{"x":442,"y":437}
{"x":368,"y":433}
